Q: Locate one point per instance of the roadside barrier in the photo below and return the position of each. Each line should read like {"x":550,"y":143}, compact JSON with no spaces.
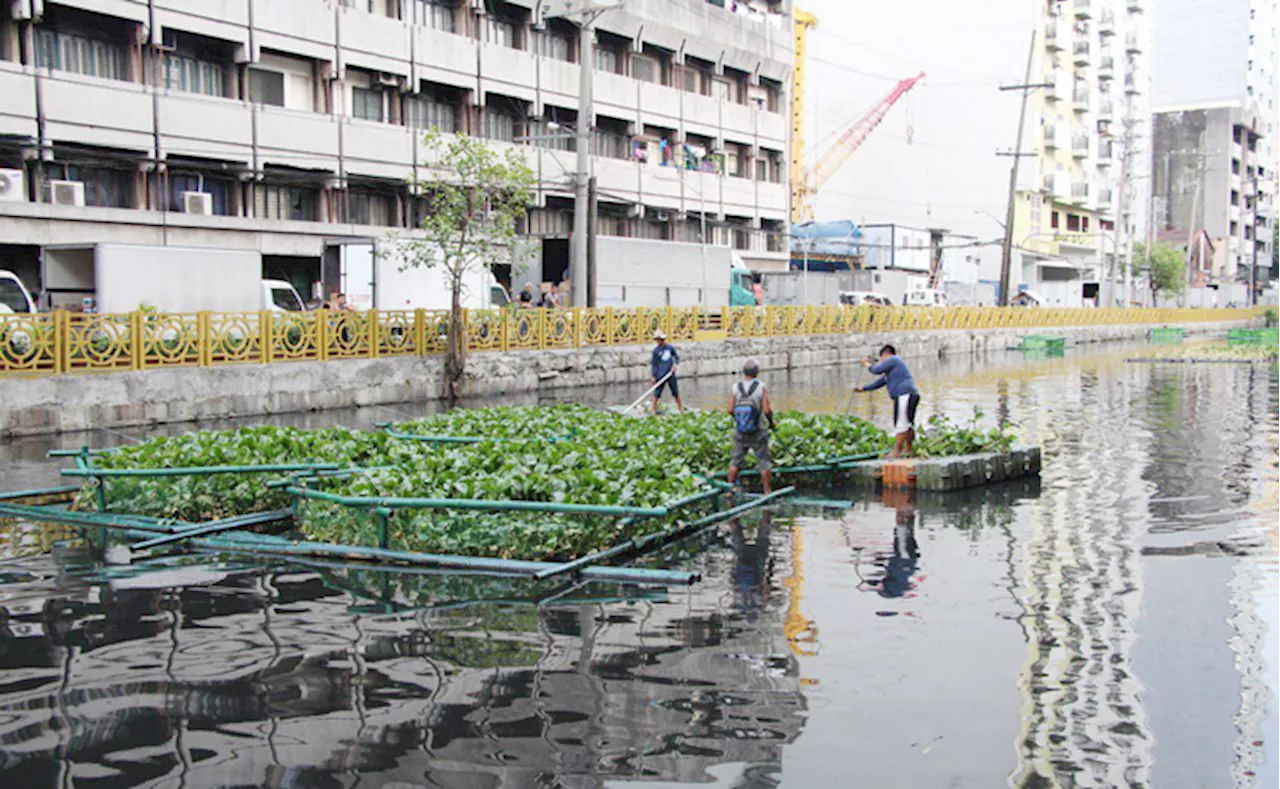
{"x":66,"y":342}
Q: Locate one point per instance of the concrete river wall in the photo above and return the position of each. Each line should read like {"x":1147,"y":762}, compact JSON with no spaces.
{"x":66,"y":403}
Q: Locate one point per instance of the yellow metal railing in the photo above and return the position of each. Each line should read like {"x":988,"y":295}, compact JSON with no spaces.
{"x":64,"y":342}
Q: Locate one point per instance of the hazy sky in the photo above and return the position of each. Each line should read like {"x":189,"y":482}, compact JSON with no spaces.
{"x":958,"y":116}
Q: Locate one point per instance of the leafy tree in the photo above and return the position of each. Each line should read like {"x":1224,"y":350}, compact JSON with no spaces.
{"x":1163,"y":266}
{"x":476,"y":197}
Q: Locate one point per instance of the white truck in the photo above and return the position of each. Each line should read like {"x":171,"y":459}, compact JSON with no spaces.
{"x":14,"y":296}
{"x":634,"y":272}
{"x":371,"y":278}
{"x":115,"y":278}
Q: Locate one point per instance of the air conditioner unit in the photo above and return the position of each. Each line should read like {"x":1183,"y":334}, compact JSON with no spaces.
{"x":66,"y":193}
{"x":389,"y":80}
{"x":13,"y":187}
{"x":662,"y":216}
{"x":197,"y":203}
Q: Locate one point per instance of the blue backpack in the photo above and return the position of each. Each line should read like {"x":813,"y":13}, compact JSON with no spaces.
{"x":746,"y":416}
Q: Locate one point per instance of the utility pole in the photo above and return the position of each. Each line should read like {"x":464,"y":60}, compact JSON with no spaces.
{"x":1253,"y":265}
{"x":1006,"y":255}
{"x":578,"y":274}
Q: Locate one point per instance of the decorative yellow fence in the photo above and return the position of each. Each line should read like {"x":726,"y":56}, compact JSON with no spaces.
{"x":64,"y":342}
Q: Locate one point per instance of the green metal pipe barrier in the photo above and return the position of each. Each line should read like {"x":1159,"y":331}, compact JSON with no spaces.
{"x":256,"y":544}
{"x":716,"y":483}
{"x":476,"y":504}
{"x":428,"y":438}
{"x":641,"y":543}
{"x":226,"y":524}
{"x":192,"y":471}
{"x":36,"y":493}
{"x":63,"y":517}
{"x":692,"y":499}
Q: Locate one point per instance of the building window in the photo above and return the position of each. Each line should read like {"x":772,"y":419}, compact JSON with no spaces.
{"x":435,"y":13}
{"x":427,"y":111}
{"x":1073,"y":223}
{"x":276,"y":201}
{"x":610,"y":60}
{"x":370,"y":208}
{"x":1235,"y":197}
{"x":554,"y":43}
{"x":499,"y":125}
{"x":218,"y":188}
{"x":266,"y":87}
{"x":366,"y":104}
{"x":646,"y":69}
{"x":192,"y":75}
{"x":1053,"y":220}
{"x":1235,"y":228}
{"x":1084,"y":224}
{"x":499,"y":31}
{"x":104,"y":187}
{"x":93,"y":57}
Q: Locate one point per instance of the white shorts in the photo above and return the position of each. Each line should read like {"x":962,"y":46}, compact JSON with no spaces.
{"x":904,"y":412}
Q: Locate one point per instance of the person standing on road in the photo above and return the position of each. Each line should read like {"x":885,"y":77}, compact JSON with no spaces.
{"x":895,"y":375}
{"x":750,"y":408}
{"x":662,"y":366}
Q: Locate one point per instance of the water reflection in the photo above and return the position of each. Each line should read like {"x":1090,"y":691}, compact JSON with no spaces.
{"x":1111,"y":621}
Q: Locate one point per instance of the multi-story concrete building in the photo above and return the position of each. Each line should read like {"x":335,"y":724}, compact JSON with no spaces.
{"x":1083,"y":131}
{"x":289,"y":126}
{"x":1216,"y":156}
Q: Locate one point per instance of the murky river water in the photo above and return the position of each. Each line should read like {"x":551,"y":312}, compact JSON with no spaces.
{"x":1112,"y":625}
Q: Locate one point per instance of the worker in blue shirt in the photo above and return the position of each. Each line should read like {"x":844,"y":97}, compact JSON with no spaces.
{"x":662,"y":366}
{"x":895,"y":375}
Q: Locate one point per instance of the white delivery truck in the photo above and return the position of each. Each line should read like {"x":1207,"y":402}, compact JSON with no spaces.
{"x":115,"y":278}
{"x":371,"y":277}
{"x":14,"y":296}
{"x":633,"y":272}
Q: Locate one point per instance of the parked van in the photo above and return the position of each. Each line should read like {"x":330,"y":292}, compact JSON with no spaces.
{"x":859,"y":298}
{"x":925,"y":297}
{"x":280,"y":296}
{"x":13,"y":294}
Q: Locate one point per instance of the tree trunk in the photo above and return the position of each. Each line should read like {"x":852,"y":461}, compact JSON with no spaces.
{"x":456,"y":351}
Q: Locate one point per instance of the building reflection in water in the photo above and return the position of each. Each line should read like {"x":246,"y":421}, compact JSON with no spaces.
{"x":275,"y":678}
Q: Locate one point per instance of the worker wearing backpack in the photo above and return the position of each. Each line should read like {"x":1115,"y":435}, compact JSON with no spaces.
{"x":750,"y":407}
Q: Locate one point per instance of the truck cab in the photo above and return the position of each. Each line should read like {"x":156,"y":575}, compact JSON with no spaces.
{"x":741,"y":293}
{"x":14,"y":296}
{"x":280,"y":296}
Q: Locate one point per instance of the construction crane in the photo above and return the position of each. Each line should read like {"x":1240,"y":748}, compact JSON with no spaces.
{"x":806,"y":181}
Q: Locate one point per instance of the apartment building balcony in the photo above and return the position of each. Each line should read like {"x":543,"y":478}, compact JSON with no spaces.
{"x":1056,"y":90}
{"x":617,"y":175}
{"x":1051,"y":40}
{"x":1083,"y":9}
{"x":1080,"y":54}
{"x":1107,"y":23}
{"x":1048,"y":183}
{"x":285,"y":134}
{"x":1050,"y":137}
{"x":1104,"y":127}
{"x":1080,"y":146}
{"x":297,"y":27}
{"x":1131,"y":85}
{"x":1132,"y":44}
{"x":1080,"y":98}
{"x":451,"y":60}
{"x":1135,"y":6}
{"x":1105,"y":110}
{"x":378,"y":150}
{"x":1106,"y":68}
{"x":1105,"y":153}
{"x":1080,"y":192}
{"x":205,"y":127}
{"x":17,"y":100}
{"x":93,"y":111}
{"x":375,"y":42}
{"x":510,"y":72}
{"x":1104,"y":198}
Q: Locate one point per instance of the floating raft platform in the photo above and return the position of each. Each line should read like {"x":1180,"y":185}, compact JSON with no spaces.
{"x":1253,"y":336}
{"x":949,"y":473}
{"x":1041,"y":342}
{"x":1168,"y":334}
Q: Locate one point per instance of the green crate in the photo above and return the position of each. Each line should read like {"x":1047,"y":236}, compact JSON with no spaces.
{"x":1042,"y":342}
{"x":1168,"y":335}
{"x":1253,"y":336}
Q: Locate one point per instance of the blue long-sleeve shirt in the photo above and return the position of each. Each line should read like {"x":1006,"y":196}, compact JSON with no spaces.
{"x":665,"y":356}
{"x":893,"y":373}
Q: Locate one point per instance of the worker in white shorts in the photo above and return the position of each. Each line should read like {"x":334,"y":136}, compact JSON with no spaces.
{"x":895,"y":375}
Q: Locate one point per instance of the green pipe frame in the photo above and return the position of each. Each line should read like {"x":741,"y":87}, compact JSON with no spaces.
{"x":476,"y":504}
{"x":641,"y":543}
{"x":226,"y":524}
{"x":194,"y":471}
{"x":390,"y":430}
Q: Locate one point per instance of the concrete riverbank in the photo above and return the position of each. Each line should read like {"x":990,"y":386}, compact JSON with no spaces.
{"x":66,"y":403}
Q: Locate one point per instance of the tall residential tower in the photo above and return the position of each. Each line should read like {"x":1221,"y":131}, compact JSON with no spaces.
{"x":1079,"y":192}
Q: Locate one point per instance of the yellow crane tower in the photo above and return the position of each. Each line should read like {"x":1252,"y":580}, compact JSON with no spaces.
{"x":803,"y":21}
{"x":806,"y":181}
